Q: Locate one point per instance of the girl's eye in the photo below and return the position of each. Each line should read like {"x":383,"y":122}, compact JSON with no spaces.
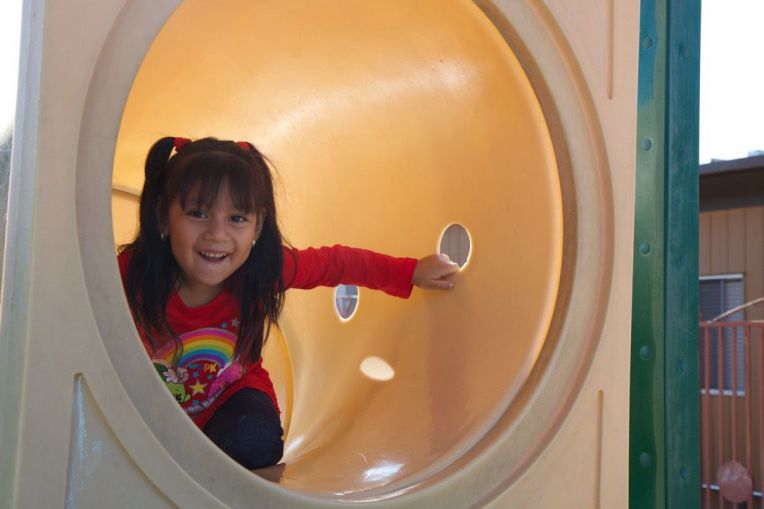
{"x":238,"y":219}
{"x":196,"y":214}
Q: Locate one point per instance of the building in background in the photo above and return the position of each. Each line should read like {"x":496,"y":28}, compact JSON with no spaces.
{"x":731,"y":351}
{"x":732,"y":236}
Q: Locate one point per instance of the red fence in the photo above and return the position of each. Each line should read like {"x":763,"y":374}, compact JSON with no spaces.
{"x":732,"y":414}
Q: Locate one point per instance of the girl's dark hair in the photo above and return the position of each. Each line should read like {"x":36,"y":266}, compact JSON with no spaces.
{"x":197,"y":172}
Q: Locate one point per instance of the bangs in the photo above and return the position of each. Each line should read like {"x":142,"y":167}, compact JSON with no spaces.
{"x":203,"y":176}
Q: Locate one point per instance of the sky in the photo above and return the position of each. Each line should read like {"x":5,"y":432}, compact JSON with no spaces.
{"x":732,"y":74}
{"x":731,"y":78}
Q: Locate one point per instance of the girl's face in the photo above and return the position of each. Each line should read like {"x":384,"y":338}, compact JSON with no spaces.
{"x":209,"y":244}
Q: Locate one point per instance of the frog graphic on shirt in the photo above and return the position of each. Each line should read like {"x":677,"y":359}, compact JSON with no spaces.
{"x":174,"y":379}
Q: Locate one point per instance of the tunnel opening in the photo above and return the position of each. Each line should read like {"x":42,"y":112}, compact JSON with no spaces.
{"x":359,"y":111}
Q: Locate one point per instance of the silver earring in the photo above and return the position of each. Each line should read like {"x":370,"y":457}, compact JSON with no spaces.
{"x":253,"y":242}
{"x":162,"y":236}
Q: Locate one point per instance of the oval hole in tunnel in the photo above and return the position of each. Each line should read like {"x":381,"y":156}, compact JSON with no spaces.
{"x":455,"y":241}
{"x":346,"y":301}
{"x":377,"y":369}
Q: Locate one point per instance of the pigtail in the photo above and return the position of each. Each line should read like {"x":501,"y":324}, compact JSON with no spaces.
{"x":262,"y":292}
{"x":151,"y":272}
{"x":156,"y":162}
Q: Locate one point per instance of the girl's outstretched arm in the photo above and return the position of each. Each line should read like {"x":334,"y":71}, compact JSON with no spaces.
{"x":331,"y":266}
{"x":435,"y":272}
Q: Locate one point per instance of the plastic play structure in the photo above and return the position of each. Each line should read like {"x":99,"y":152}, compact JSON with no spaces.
{"x":386,"y":123}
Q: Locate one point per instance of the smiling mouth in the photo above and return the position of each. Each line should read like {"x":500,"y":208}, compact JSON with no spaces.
{"x":212,"y":257}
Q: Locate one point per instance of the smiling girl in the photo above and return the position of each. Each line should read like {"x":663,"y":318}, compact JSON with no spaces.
{"x":205,"y":279}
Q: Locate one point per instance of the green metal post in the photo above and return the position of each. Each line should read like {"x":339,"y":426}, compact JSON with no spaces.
{"x":664,"y":441}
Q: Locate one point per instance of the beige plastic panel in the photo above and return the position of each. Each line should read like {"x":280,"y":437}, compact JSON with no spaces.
{"x":386,"y":121}
{"x":96,"y":458}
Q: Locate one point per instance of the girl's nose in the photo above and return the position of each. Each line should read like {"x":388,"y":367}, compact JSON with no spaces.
{"x":216,"y":229}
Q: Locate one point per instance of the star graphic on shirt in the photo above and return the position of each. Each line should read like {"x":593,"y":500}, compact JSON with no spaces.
{"x":235,"y":322}
{"x":198,"y":388}
{"x":224,"y":325}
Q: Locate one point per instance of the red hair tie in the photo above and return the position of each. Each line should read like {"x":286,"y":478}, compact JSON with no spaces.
{"x":180,"y":143}
{"x":245,"y":145}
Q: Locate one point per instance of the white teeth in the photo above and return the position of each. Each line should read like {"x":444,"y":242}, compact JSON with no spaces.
{"x":213,"y":255}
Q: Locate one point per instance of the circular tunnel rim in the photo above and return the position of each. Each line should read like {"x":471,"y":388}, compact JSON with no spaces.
{"x":108,"y":92}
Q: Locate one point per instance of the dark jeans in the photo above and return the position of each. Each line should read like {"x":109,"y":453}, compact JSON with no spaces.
{"x":248,"y":429}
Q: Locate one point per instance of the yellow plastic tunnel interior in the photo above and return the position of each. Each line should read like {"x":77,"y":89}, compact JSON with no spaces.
{"x":385,"y":123}
{"x":384,"y":126}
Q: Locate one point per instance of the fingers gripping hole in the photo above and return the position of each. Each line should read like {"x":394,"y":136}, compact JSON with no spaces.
{"x":455,"y":241}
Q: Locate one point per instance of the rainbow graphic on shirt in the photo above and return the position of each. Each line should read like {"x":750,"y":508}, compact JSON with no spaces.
{"x":204,"y":370}
{"x":210,"y":344}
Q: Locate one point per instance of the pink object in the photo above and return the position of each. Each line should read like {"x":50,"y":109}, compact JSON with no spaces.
{"x":734,"y":482}
{"x":226,"y":377}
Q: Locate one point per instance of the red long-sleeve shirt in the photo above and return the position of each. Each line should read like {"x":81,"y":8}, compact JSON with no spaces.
{"x":206,"y":374}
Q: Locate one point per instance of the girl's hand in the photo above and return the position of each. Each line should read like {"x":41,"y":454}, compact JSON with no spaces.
{"x":435,"y":272}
